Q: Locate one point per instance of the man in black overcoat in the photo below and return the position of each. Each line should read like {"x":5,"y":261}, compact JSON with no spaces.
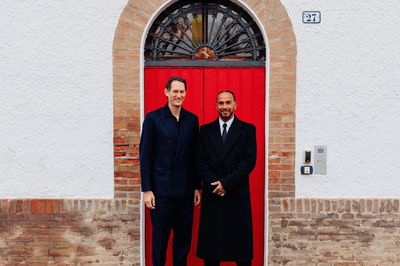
{"x":226,"y":156}
{"x":167,"y":165}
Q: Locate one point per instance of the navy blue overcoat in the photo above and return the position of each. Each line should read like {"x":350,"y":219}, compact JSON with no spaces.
{"x":167,"y":153}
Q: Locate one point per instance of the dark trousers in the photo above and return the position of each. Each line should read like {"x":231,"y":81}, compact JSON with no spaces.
{"x":175,"y":214}
{"x":217,"y":263}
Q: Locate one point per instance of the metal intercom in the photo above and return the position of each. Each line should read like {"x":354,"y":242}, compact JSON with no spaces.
{"x":320,"y":157}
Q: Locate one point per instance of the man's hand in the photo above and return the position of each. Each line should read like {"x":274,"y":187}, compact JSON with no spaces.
{"x":149,"y":199}
{"x":197,"y":197}
{"x":219,"y":190}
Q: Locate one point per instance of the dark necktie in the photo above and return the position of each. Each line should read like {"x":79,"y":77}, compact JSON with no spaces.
{"x":224,"y":132}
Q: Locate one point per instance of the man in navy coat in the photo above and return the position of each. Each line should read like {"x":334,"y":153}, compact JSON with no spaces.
{"x":226,"y":156}
{"x":169,"y":183}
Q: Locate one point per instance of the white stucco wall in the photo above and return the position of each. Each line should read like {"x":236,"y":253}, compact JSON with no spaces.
{"x":348,"y":97}
{"x":56,"y":119}
{"x":56,"y":97}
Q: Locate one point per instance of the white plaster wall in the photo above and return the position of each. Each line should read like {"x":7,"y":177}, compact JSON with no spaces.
{"x":56,"y":97}
{"x":56,"y":124}
{"x":348,"y":96}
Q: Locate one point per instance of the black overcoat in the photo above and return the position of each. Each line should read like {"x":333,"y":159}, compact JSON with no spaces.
{"x":225,"y":230}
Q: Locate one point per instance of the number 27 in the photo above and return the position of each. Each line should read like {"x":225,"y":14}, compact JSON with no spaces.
{"x":311,"y":17}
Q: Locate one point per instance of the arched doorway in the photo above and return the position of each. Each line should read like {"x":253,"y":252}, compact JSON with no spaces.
{"x":214,"y":45}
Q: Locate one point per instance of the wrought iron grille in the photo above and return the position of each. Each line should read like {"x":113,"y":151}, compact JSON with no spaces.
{"x":206,"y":31}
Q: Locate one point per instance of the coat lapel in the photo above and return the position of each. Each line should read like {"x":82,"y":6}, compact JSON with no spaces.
{"x":183,"y":133}
{"x":216,"y":138}
{"x":168,"y":123}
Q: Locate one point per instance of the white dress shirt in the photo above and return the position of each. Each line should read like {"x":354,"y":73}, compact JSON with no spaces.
{"x":228,"y":124}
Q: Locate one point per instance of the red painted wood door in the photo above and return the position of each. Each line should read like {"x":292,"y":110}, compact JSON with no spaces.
{"x":203,"y":83}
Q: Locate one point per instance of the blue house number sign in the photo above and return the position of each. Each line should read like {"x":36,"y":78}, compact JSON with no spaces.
{"x":311,"y":17}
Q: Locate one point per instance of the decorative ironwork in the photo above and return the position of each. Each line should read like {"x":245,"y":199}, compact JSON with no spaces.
{"x":206,"y":31}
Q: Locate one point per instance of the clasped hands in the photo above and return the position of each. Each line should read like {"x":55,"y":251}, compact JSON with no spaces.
{"x":219,"y":190}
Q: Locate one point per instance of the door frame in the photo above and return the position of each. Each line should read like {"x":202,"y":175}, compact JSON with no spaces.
{"x":266,"y":131}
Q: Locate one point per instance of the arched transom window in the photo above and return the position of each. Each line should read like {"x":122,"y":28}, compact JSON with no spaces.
{"x":204,"y":31}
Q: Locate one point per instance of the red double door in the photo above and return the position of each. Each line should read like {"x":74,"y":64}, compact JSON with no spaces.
{"x":203,"y":83}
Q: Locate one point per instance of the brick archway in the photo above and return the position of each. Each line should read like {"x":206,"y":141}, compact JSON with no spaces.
{"x":281,"y":86}
{"x":282,"y":95}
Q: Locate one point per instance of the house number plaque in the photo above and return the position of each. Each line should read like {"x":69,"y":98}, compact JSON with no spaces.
{"x":311,"y":17}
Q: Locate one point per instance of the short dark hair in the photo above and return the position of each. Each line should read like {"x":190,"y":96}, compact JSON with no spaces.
{"x":227,"y":91}
{"x":172,"y":79}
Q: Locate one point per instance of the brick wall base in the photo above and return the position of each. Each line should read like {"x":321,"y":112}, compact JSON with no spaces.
{"x":335,"y":232}
{"x":69,"y":232}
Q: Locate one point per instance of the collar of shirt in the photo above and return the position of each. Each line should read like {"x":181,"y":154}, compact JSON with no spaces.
{"x":228,"y":124}
{"x":169,"y":114}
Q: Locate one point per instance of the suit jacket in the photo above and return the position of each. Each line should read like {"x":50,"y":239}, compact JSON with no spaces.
{"x":225,"y":231}
{"x":167,"y":153}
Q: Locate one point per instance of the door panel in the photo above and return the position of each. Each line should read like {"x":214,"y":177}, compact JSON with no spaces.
{"x":155,"y":79}
{"x":203,"y":83}
{"x":248,"y":84}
